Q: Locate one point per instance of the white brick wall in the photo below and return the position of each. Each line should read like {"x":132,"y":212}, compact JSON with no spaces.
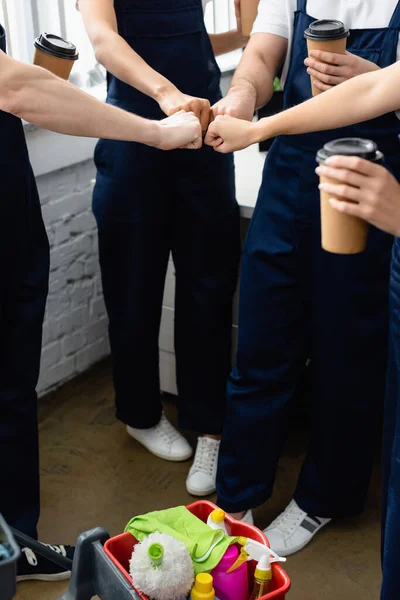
{"x":75,"y":327}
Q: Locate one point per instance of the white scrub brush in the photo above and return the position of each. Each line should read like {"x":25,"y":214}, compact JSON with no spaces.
{"x":161,"y":568}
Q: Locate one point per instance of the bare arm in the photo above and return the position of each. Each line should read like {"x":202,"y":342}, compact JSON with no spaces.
{"x":34,"y":94}
{"x":227,"y":41}
{"x":252,"y":85}
{"x":115,"y":54}
{"x":262,"y":58}
{"x":359,"y":99}
{"x":230,"y":40}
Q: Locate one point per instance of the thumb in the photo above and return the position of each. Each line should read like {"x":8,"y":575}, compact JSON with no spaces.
{"x":221,"y":146}
{"x":211,"y":134}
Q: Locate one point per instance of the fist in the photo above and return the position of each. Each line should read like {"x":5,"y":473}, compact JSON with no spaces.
{"x":227,"y":134}
{"x":181,"y":130}
{"x":235,"y":104}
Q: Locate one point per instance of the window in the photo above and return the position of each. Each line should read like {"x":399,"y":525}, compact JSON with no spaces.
{"x":220,"y":16}
{"x":26,"y":19}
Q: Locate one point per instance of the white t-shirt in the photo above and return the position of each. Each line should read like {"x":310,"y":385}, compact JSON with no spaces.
{"x":277,"y":16}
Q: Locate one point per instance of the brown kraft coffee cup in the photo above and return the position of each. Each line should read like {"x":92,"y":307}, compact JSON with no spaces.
{"x":341,"y":233}
{"x":329,"y":36}
{"x":55,"y":54}
{"x":248,"y":11}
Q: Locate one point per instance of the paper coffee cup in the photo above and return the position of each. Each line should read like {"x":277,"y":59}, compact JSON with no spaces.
{"x":329,"y":36}
{"x":55,"y":54}
{"x":341,"y":233}
{"x":248,"y":11}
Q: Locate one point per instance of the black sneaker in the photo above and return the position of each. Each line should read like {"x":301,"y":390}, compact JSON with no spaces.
{"x":33,"y":566}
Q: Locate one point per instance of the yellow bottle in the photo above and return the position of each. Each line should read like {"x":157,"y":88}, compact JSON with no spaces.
{"x":203,"y":588}
{"x":262,"y":578}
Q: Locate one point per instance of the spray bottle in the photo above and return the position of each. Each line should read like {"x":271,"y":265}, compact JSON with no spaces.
{"x":262,"y":578}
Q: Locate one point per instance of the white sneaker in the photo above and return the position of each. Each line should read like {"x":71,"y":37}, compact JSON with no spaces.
{"x":293,"y":530}
{"x":163,"y":441}
{"x":202,"y":476}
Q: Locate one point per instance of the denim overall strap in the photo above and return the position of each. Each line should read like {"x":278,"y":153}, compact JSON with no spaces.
{"x":395,"y":20}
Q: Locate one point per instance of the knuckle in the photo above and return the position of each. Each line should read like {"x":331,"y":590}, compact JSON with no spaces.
{"x":369,"y":212}
{"x":344,"y":190}
{"x":358,"y":164}
{"x":345,"y":176}
{"x":380,"y":187}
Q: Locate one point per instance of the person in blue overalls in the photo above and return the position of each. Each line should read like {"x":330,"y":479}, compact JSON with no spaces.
{"x":159,"y":59}
{"x":374,"y":195}
{"x":297,"y":301}
{"x":37,"y":96}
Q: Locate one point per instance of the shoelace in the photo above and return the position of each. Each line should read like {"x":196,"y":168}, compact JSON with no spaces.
{"x":289,"y":519}
{"x":206,"y":456}
{"x":167,"y":431}
{"x":32,"y":558}
{"x":59,"y":549}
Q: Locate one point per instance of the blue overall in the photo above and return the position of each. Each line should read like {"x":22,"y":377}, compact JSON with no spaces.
{"x":149,"y":203}
{"x":24,"y":266}
{"x":391,"y":448}
{"x":298,"y":301}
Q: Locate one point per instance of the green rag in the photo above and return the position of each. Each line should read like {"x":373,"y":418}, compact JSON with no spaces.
{"x":206,"y":546}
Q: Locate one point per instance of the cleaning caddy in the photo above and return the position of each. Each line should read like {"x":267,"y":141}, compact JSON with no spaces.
{"x":104,"y":566}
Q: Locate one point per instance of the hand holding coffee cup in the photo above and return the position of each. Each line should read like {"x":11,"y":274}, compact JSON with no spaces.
{"x":55,"y":54}
{"x":373,"y":196}
{"x":327,"y":36}
{"x":327,"y":69}
{"x":344,"y":233}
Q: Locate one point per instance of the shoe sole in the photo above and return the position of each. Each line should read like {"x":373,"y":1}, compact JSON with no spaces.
{"x":289,"y":551}
{"x":56,"y":577}
{"x":168,"y":457}
{"x":200,"y":493}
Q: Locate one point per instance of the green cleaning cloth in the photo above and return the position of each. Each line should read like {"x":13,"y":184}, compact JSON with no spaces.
{"x":206,"y":546}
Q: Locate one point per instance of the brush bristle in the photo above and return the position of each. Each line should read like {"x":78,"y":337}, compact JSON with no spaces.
{"x":172,"y":580}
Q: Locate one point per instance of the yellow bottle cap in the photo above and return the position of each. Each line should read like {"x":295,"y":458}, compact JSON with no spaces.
{"x":203,"y":588}
{"x":263,"y":572}
{"x":218,"y":515}
{"x":262,"y":575}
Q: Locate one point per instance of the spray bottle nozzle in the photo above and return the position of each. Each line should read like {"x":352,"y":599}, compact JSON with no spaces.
{"x":252,"y":550}
{"x":242,"y":558}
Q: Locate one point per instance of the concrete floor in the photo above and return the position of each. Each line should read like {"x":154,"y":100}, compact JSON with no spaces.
{"x":93,"y":474}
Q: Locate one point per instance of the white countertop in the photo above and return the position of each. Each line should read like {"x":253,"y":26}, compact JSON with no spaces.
{"x":249,"y":164}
